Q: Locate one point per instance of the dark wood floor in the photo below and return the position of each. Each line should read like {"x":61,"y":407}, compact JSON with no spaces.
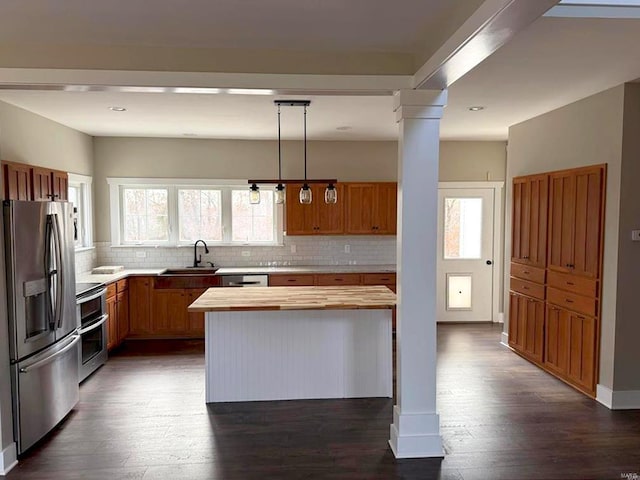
{"x":143,"y":416}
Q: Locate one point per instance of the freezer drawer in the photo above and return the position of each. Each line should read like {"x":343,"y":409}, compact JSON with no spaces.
{"x":46,"y":389}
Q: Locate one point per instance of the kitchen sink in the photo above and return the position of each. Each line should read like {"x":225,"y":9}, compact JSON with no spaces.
{"x":198,"y":271}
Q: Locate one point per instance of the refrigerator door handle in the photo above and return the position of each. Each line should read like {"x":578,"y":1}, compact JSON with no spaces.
{"x":48,"y":267}
{"x":60,"y":272}
{"x":74,"y":339}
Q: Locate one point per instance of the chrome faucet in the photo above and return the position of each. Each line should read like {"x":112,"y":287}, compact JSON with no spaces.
{"x":198,"y":259}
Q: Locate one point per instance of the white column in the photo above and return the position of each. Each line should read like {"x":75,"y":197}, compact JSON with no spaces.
{"x":415,"y":431}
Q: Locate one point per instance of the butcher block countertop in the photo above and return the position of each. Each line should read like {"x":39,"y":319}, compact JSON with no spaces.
{"x":294,"y":298}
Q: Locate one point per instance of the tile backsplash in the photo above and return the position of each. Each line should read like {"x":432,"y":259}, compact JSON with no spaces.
{"x":86,"y":260}
{"x":301,"y":250}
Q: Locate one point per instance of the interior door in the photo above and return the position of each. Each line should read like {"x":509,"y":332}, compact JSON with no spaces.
{"x":465,"y":254}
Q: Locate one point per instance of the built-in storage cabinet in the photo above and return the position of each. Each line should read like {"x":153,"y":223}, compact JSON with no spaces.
{"x":140,"y":323}
{"x":26,"y":182}
{"x":17,"y":181}
{"x":575,"y":221}
{"x":559,"y":291}
{"x":316,"y":218}
{"x":529,"y":233}
{"x":371,"y":208}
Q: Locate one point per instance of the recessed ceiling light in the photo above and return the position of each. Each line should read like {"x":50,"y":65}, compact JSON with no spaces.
{"x":189,"y":134}
{"x":344,"y":128}
{"x":117,"y":109}
{"x":476,"y":108}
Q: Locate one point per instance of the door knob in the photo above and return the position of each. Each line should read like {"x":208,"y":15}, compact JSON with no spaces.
{"x":489,"y":262}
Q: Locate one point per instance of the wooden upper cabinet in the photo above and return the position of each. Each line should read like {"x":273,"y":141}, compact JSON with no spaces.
{"x":317,"y":218}
{"x":17,"y":181}
{"x":60,"y":185}
{"x":41,"y":184}
{"x":575,"y":220}
{"x":371,"y":208}
{"x":529,"y":221}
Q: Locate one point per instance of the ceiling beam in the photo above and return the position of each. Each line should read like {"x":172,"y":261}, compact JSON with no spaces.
{"x":491,"y":26}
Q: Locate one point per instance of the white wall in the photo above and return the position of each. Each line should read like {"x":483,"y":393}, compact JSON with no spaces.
{"x":583,"y":133}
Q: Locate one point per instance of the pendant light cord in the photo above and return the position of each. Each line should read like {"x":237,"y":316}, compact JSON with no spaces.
{"x":305,"y":142}
{"x":279,"y":148}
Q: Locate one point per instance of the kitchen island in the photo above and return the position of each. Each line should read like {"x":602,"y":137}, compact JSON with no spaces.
{"x":285,"y":343}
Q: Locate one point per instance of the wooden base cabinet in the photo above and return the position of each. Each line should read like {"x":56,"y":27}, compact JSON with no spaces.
{"x":570,"y":347}
{"x":526,"y":326}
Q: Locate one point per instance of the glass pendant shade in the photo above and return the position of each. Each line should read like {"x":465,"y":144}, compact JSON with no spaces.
{"x":331,"y":194}
{"x":305,"y":194}
{"x":279,"y":194}
{"x":254,"y":194}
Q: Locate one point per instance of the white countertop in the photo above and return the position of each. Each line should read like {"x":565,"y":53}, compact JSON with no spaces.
{"x":112,"y":277}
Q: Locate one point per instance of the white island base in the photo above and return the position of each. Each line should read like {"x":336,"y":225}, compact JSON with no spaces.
{"x":298,"y":354}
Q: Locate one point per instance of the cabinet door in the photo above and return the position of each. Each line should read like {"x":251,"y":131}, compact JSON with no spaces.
{"x":556,"y":357}
{"x":587,"y":223}
{"x":60,"y":182}
{"x":299,"y":217}
{"x":17,"y":181}
{"x":140,"y":306}
{"x":386,"y":214}
{"x":529,"y":220}
{"x":122,"y":304}
{"x":169,"y":312}
{"x":328,"y":218}
{"x":361,"y":206}
{"x":575,"y":220}
{"x":582,"y":350}
{"x":195,"y":320}
{"x":526,"y":326}
{"x":112,"y":323}
{"x":41,"y":186}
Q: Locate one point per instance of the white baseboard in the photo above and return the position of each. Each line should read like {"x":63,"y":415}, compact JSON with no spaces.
{"x":504,"y":339}
{"x":8,"y":458}
{"x":618,"y":399}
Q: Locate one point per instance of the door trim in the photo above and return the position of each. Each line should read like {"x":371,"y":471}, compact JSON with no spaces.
{"x":497,"y":249}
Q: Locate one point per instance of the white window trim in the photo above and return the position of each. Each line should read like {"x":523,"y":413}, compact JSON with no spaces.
{"x":173,"y":184}
{"x":85,"y":182}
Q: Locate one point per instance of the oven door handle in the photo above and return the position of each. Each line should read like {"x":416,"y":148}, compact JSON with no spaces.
{"x":80,"y":300}
{"x":93,"y":326}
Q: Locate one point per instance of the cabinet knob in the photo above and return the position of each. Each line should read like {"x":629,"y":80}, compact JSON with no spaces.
{"x":526,"y":257}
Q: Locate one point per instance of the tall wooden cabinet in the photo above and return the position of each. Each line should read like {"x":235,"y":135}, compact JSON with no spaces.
{"x":556,"y":271}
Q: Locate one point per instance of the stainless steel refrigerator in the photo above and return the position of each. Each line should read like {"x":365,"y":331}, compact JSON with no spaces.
{"x":43,"y":322}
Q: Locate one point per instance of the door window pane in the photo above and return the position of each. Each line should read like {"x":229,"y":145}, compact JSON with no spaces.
{"x":200,"y":215}
{"x":146,"y":215}
{"x":462,"y":228}
{"x":252,"y":223}
{"x":458,"y":292}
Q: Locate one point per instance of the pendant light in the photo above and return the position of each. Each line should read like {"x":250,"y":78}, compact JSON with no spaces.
{"x":305,"y":196}
{"x":330,"y":194}
{"x":279,"y":192}
{"x":305,"y":192}
{"x":254,"y":194}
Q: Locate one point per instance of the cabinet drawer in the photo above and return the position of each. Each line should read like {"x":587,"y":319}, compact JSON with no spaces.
{"x":572,"y":301}
{"x":379,"y":279}
{"x":573,"y":283}
{"x":525,"y":272}
{"x":111,"y":290}
{"x":338,"y":279}
{"x":122,"y":285}
{"x":527,"y":288}
{"x":288,"y":280}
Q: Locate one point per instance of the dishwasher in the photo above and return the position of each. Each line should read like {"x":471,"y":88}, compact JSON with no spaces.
{"x":245,"y":280}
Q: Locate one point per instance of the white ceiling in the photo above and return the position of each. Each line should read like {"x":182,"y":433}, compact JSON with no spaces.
{"x":554,"y":62}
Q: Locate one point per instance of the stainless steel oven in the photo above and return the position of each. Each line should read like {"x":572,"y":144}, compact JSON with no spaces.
{"x":92,"y":316}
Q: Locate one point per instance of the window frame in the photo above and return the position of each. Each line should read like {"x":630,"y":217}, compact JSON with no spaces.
{"x":85,"y":209}
{"x":117,"y":186}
